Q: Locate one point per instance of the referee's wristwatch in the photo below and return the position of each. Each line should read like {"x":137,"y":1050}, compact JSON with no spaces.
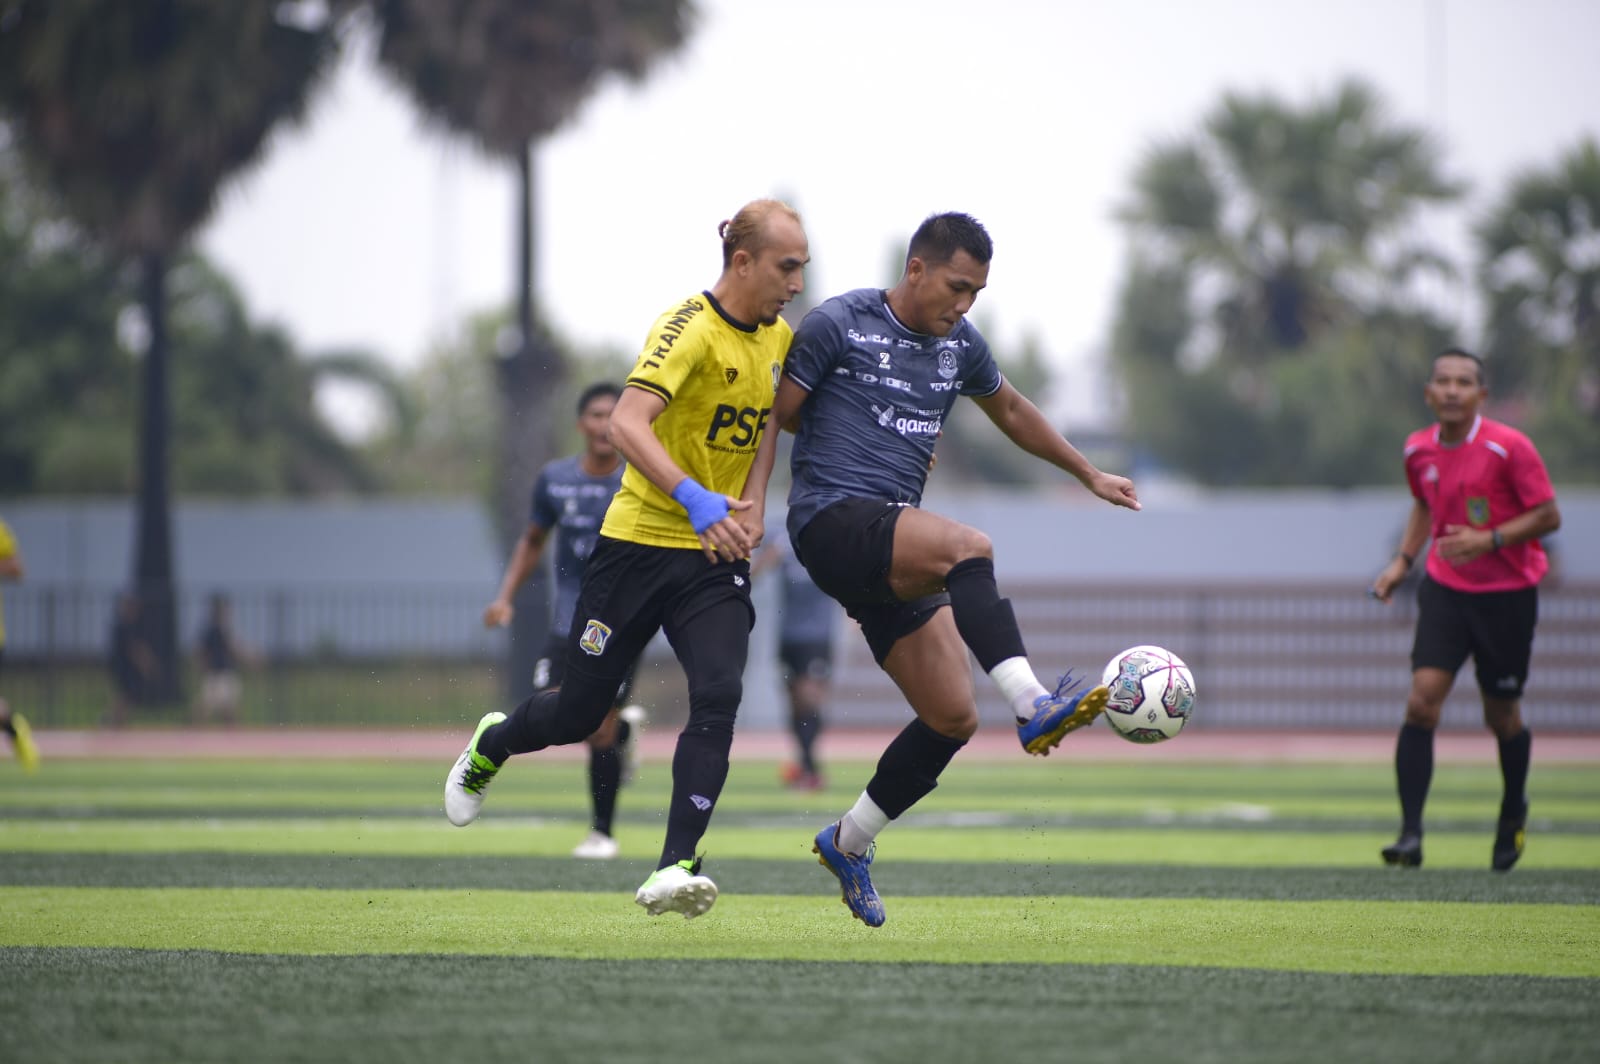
{"x":1497,"y":539}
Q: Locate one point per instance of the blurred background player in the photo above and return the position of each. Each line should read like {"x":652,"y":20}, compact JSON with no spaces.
{"x":570,"y":499}
{"x":14,"y":725}
{"x":807,"y":619}
{"x":221,"y":655}
{"x":1481,"y":492}
{"x":129,"y":659}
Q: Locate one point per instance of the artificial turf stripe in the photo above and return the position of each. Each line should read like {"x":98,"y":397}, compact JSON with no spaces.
{"x":156,"y":1007}
{"x":1421,"y":938}
{"x":510,"y":836}
{"x":901,"y":879}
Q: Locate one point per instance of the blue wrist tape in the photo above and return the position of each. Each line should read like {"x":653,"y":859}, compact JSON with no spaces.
{"x":705,"y":508}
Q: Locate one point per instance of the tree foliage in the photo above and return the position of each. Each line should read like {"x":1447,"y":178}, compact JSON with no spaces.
{"x":1265,"y":331}
{"x":1540,"y":274}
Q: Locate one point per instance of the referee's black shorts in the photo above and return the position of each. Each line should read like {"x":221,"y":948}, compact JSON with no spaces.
{"x":1494,"y":628}
{"x":847,"y":548}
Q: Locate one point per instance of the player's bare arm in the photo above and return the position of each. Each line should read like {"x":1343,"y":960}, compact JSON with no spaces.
{"x":524,"y":559}
{"x":1412,"y":540}
{"x":631,"y":434}
{"x":1015,"y":415}
{"x":786,"y":412}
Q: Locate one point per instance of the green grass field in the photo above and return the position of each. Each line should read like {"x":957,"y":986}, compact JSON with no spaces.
{"x":1038,"y":910}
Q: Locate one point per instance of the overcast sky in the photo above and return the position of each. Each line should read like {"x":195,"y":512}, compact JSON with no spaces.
{"x":364,"y":227}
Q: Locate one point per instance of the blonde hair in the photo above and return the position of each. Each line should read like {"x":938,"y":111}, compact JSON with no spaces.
{"x":747,"y":230}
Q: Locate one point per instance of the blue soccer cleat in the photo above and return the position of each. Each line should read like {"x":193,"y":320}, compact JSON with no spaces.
{"x":854,"y":877}
{"x":1055,"y":714}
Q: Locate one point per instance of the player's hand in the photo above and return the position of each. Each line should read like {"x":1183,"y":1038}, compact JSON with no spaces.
{"x":1118,"y":491}
{"x":728,"y":540}
{"x":498,"y":614}
{"x":1462,"y":543}
{"x":754,"y":522}
{"x":1391,"y":577}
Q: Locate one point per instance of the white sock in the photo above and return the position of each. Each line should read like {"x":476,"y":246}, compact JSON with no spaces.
{"x":1015,"y":678}
{"x":861,"y":825}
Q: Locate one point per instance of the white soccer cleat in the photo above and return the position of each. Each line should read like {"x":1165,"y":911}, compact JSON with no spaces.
{"x":470,"y":777}
{"x":677,"y":888}
{"x":596,"y":847}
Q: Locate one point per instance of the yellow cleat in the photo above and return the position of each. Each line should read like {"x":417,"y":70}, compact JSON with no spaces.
{"x":27,"y":752}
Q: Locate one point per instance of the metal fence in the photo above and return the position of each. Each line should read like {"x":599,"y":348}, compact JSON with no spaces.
{"x":1316,"y":656}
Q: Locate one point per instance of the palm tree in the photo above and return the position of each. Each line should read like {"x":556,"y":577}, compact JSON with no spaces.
{"x":508,"y":73}
{"x":1292,"y":218}
{"x":1273,"y":235}
{"x":133,"y":115}
{"x":1540,"y":274}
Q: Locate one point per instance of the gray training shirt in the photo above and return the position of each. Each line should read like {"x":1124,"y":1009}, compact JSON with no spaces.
{"x":572,"y":504}
{"x":879,"y":396}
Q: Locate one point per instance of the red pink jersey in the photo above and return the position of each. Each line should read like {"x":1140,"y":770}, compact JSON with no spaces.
{"x":1483,"y":481}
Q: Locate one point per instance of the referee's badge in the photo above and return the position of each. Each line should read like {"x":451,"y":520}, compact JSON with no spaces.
{"x":1478,"y":510}
{"x":777,"y":374}
{"x":594,"y":637}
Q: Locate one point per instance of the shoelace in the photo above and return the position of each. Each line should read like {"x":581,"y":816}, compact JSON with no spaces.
{"x":476,"y":778}
{"x":1066,"y":684}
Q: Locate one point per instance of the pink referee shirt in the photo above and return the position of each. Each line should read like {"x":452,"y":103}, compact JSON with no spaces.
{"x":1483,"y":481}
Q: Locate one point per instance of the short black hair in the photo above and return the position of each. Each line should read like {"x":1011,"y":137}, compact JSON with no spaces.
{"x":1457,"y":352}
{"x":595,"y":391}
{"x":940,"y":236}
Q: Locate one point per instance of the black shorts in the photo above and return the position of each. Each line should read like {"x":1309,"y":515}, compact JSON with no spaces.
{"x":1494,"y":627}
{"x":847,"y":548}
{"x":630,"y":591}
{"x":806,"y":659}
{"x":547,"y":671}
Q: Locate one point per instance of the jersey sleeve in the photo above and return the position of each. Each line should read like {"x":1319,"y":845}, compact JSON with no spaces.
{"x":816,"y":350}
{"x":982,"y":377}
{"x":670,"y":354}
{"x":1529,"y":478}
{"x":542,"y":509}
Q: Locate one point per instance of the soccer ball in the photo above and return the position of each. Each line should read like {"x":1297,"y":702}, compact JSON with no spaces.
{"x":1152,"y":694}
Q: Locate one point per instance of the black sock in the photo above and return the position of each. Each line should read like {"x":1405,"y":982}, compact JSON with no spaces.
{"x":699,"y":769}
{"x":522,"y":731}
{"x":909,"y":769}
{"x":1515,"y":754}
{"x":1413,"y":769}
{"x":805,"y":727}
{"x":605,"y":776}
{"x":985,"y":620}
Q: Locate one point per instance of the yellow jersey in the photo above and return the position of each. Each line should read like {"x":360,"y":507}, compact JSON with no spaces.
{"x":8,"y":549}
{"x":719,"y":378}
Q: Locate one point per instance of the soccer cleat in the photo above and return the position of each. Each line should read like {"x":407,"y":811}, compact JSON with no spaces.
{"x":637,"y":718}
{"x":1054,"y":715}
{"x":597,"y":846}
{"x":855,"y":880}
{"x":1509,"y":837}
{"x":677,"y":888}
{"x":27,"y":752}
{"x":469,"y":777}
{"x":1406,"y":851}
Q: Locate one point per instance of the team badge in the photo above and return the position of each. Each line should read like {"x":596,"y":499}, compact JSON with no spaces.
{"x":1478,"y":510}
{"x":947,"y":364}
{"x":594,"y":638}
{"x":731,"y":373}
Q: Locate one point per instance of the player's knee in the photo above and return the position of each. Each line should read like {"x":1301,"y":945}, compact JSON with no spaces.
{"x":971,"y":543}
{"x":1422,"y":711}
{"x":713,"y":706}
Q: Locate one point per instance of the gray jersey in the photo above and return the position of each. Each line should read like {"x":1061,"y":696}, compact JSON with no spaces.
{"x":880,"y":394}
{"x":572,"y":504}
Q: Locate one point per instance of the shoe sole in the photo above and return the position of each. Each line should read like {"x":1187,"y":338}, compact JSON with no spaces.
{"x":692,"y":898}
{"x":1090,"y":706}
